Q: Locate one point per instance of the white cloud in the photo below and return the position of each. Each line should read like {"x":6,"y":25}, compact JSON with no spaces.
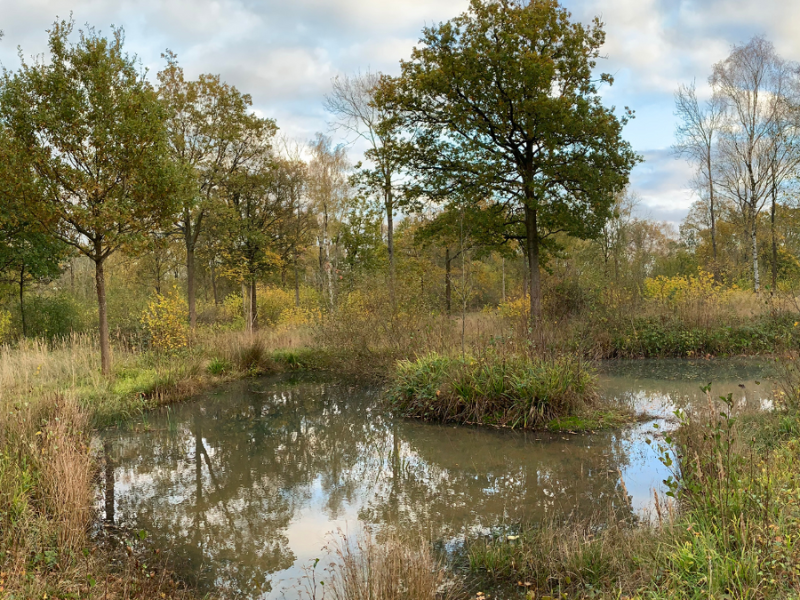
{"x":285,"y":53}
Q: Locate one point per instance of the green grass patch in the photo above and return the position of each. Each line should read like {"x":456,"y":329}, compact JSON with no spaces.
{"x":508,"y":391}
{"x":596,"y":418}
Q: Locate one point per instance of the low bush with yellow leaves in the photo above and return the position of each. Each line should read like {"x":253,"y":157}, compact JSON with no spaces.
{"x":298,"y":316}
{"x":515,"y":309}
{"x":165,"y":321}
{"x":5,"y":326}
{"x":697,"y":300}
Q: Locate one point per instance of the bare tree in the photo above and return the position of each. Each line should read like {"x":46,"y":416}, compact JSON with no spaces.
{"x":696,"y":138}
{"x":352,"y":101}
{"x":327,"y":188}
{"x":753,"y":83}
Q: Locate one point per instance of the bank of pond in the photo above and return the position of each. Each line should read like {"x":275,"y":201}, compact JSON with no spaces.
{"x":244,"y":486}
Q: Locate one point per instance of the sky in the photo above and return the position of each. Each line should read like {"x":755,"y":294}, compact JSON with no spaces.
{"x":285,"y":53}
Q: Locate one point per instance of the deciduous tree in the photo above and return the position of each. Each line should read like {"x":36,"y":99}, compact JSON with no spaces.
{"x":92,"y":130}
{"x":504,"y":105}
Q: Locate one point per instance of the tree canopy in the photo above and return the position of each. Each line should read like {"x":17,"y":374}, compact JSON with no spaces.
{"x":91,"y":128}
{"x":505,"y":110}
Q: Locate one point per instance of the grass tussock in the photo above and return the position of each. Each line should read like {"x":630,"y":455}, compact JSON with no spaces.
{"x":508,"y":391}
{"x":51,"y":397}
{"x":580,"y":559}
{"x":362,"y":567}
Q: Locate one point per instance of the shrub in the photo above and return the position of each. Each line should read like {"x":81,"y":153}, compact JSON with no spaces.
{"x":515,"y":309}
{"x":272,"y":302}
{"x":511,"y":391}
{"x":57,"y":315}
{"x":5,"y":326}
{"x":298,"y":316}
{"x":165,"y":321}
{"x":276,"y":307}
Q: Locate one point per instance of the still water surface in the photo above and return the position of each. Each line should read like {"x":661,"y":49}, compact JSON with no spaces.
{"x":242,"y":485}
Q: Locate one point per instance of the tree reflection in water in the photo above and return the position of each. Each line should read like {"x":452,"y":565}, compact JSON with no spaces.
{"x":243,"y":485}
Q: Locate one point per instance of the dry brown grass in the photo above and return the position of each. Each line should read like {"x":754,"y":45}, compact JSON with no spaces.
{"x":38,"y":365}
{"x":47,"y":508}
{"x":572,"y":558}
{"x":391,"y":568}
{"x":66,"y":471}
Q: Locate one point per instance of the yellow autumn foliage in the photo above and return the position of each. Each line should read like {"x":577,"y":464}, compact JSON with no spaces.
{"x":514,"y":309}
{"x":5,"y":326}
{"x":673,"y":291}
{"x":298,"y":316}
{"x":165,"y":321}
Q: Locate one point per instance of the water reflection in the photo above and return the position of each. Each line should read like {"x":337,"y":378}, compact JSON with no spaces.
{"x":243,"y":485}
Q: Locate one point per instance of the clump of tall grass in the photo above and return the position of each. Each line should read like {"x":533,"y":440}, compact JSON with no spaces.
{"x":511,"y":391}
{"x":580,"y":558}
{"x":392,"y":568}
{"x":47,"y":496}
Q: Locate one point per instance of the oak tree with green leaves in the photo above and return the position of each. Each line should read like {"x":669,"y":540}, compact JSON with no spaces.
{"x":504,"y":108}
{"x":210,"y":125}
{"x":251,"y":205}
{"x":92,"y":129}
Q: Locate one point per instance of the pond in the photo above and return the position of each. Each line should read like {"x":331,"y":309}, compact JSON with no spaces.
{"x":243,"y":485}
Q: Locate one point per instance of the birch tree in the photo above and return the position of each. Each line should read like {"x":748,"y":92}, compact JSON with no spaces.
{"x":753,"y":82}
{"x":696,"y":133}
{"x":353,"y":102}
{"x":328,"y":188}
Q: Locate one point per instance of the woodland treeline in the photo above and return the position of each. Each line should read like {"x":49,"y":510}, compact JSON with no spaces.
{"x":493,"y":175}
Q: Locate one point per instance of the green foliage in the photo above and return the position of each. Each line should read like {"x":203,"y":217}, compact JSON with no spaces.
{"x":506,"y":116}
{"x":659,"y":337}
{"x":740,"y":509}
{"x":89,"y":105}
{"x":511,"y":391}
{"x":56,"y":315}
{"x":219,"y":366}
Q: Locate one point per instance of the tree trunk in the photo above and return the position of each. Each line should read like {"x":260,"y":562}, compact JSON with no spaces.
{"x":321,"y":267}
{"x":448,"y":286}
{"x":504,"y":279}
{"x":532,"y":242}
{"x":774,"y":261}
{"x":245,"y":306}
{"x":214,"y":283}
{"x":714,"y":268}
{"x":105,"y":347}
{"x":296,"y":282}
{"x":525,"y":276}
{"x":190,"y":283}
{"x":22,"y":300}
{"x":754,"y":250}
{"x":253,"y":306}
{"x":390,"y":243}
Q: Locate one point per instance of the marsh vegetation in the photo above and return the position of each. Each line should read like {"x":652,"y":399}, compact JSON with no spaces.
{"x":416,"y":344}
